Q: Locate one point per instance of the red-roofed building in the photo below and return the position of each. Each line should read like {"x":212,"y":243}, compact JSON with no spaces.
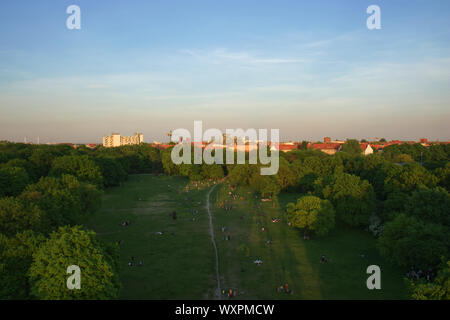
{"x":378,"y":147}
{"x":366,"y":148}
{"x":161,"y":146}
{"x":328,"y":148}
{"x":287,"y":147}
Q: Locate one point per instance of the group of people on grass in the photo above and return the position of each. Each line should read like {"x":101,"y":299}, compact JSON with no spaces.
{"x":132,"y":262}
{"x":284,"y":289}
{"x":126,"y":223}
{"x":414,"y":274}
{"x":258,"y":262}
{"x":226,"y":236}
{"x":229,"y":293}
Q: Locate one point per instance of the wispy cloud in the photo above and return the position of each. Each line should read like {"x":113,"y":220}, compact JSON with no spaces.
{"x":223,"y":55}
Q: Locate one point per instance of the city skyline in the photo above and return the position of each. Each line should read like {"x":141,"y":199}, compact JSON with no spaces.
{"x":309,"y":69}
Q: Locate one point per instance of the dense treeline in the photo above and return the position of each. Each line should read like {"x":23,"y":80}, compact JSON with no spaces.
{"x":45,"y":194}
{"x":401,"y":195}
{"x":406,"y":204}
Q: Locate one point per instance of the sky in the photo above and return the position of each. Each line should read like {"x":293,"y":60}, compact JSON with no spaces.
{"x":308,"y":68}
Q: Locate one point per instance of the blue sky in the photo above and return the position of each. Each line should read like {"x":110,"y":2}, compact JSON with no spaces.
{"x":309,"y":68}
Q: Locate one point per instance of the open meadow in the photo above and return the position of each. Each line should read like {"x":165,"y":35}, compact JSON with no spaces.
{"x":178,"y":257}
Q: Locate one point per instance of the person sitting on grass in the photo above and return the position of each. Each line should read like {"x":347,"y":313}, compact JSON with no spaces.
{"x":286,"y":289}
{"x":258,"y":262}
{"x":323,"y":259}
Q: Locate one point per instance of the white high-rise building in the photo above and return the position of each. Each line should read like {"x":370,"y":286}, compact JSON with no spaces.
{"x":115,"y":140}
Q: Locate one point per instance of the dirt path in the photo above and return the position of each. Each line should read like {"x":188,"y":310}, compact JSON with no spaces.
{"x":211,"y":232}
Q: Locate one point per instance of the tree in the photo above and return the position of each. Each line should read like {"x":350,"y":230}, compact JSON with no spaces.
{"x":15,"y":261}
{"x":59,"y":200}
{"x":212,"y":171}
{"x":408,"y":178}
{"x":73,"y":246}
{"x":353,"y":198}
{"x":13,"y":181}
{"x":15,"y":217}
{"x":42,"y":160}
{"x":90,"y":198}
{"x":240,"y":174}
{"x":83,"y":168}
{"x":22,"y":163}
{"x":430,"y":205}
{"x":352,"y":147}
{"x":112,"y":171}
{"x":393,"y":205}
{"x":267,"y":186}
{"x":407,"y":241}
{"x":443,"y":174}
{"x":304,"y":145}
{"x":438,"y":289}
{"x":167,"y":163}
{"x":312,"y":213}
{"x":286,"y":176}
{"x":195,"y":172}
{"x":403,"y":158}
{"x":307,"y":182}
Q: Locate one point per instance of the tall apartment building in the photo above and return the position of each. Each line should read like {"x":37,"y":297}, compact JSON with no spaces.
{"x":116,"y":140}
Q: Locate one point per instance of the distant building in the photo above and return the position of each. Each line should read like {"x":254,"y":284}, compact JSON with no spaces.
{"x":366,"y":149}
{"x":328,"y":148}
{"x":116,"y":140}
{"x":289,"y":146}
{"x":326,"y":140}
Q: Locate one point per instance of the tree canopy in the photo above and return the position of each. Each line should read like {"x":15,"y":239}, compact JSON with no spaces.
{"x":73,"y":246}
{"x":312,"y":213}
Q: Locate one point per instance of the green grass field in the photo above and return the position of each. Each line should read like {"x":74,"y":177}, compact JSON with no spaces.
{"x":180,"y":263}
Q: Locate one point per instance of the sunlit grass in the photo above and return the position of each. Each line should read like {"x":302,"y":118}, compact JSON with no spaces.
{"x":180,"y":263}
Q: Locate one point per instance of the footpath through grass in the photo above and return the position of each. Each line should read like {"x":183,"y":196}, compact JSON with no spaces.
{"x":177,"y":264}
{"x":287,"y":258}
{"x":180,"y":262}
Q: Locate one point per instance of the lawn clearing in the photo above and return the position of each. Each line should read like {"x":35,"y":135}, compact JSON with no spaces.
{"x":180,"y":263}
